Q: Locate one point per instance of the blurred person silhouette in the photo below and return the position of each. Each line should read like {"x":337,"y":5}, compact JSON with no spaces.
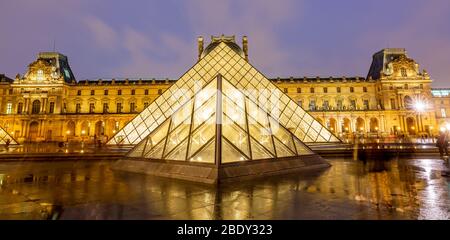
{"x":442,"y":144}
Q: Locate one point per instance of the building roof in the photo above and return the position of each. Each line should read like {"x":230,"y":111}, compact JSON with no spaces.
{"x":4,"y":78}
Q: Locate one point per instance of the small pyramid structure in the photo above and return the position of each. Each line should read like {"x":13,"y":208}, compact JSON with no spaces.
{"x":218,"y":131}
{"x":4,"y":136}
{"x":224,"y":57}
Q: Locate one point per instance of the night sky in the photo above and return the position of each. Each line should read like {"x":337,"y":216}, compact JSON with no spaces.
{"x":105,"y":39}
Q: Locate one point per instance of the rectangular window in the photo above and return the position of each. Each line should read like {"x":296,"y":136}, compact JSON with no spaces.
{"x":8,"y":108}
{"x":443,"y":113}
{"x":91,"y":107}
{"x":78,"y":108}
{"x":119,"y":92}
{"x":106,"y":92}
{"x":364,"y":89}
{"x":105,"y":108}
{"x":352,"y":89}
{"x":311,"y":90}
{"x":393,"y":104}
{"x":145,"y":105}
{"x":79,"y":92}
{"x":339,"y":104}
{"x":312,"y":105}
{"x":133,"y":92}
{"x":20,"y":108}
{"x":285,"y":90}
{"x":300,"y":103}
{"x":325,"y":90}
{"x":421,"y":86}
{"x":92,"y":92}
{"x":10,"y":91}
{"x":338,"y":89}
{"x":353,"y":104}
{"x":132,"y":107}
{"x":159,"y":91}
{"x":299,"y":90}
{"x":52,"y":107}
{"x":119,"y":107}
{"x":146,"y":92}
{"x":366,"y":104}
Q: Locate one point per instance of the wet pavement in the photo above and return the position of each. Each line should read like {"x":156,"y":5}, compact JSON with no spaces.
{"x":395,"y":189}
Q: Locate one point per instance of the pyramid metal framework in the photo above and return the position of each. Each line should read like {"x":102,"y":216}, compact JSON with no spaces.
{"x":225,"y":61}
{"x":219,"y":119}
{"x":4,"y":136}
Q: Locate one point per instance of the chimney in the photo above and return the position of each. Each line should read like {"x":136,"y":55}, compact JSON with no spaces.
{"x":245,"y":47}
{"x":200,"y":46}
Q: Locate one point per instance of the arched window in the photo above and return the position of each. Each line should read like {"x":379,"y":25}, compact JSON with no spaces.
{"x":36,"y":107}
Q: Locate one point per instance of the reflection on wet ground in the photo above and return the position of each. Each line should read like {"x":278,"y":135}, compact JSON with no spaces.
{"x":395,"y":189}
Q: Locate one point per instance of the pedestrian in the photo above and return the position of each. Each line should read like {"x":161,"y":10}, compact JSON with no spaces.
{"x":442,"y":144}
{"x":95,"y":140}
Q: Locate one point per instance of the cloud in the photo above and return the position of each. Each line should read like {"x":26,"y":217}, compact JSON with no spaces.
{"x":103,"y":35}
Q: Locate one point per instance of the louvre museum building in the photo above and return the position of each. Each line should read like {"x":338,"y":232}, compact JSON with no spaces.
{"x":257,"y":116}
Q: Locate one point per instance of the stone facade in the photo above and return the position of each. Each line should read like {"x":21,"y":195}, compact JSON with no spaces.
{"x":49,"y":104}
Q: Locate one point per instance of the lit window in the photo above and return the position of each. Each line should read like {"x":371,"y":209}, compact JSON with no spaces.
{"x":119,"y":92}
{"x":443,"y":114}
{"x":299,"y":90}
{"x":352,"y":89}
{"x":133,"y":92}
{"x":366,"y":104}
{"x":403,"y":71}
{"x":146,"y":92}
{"x":78,"y":108}
{"x":364,"y":89}
{"x":8,"y":108}
{"x":338,"y":89}
{"x":132,"y":107}
{"x":105,"y":108}
{"x":91,"y":107}
{"x":311,"y":90}
{"x":119,"y":107}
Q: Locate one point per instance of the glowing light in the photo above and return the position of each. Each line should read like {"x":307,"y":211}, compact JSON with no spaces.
{"x":443,"y":129}
{"x":412,"y":128}
{"x":398,"y":128}
{"x":376,"y":128}
{"x":83,"y":132}
{"x":361,"y":128}
{"x":419,"y":106}
{"x":68,"y":132}
{"x":447,"y":126}
{"x":114,"y":131}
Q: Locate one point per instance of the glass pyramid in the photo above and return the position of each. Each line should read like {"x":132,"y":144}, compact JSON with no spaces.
{"x":219,"y":121}
{"x":4,"y":136}
{"x":225,"y":61}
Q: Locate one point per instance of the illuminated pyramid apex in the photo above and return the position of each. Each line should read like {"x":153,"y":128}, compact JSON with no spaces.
{"x":228,"y":40}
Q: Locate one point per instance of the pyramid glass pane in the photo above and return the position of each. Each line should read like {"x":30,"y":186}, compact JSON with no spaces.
{"x":258,"y":151}
{"x":282,"y":150}
{"x":202,"y":135}
{"x":176,"y":137}
{"x":230,"y":153}
{"x":301,"y":148}
{"x":179,"y":153}
{"x":138,"y":151}
{"x":282,"y":134}
{"x":155,"y":152}
{"x":159,"y":134}
{"x":261,"y":135}
{"x":237,"y":136}
{"x":204,"y":112}
{"x":206,"y":154}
